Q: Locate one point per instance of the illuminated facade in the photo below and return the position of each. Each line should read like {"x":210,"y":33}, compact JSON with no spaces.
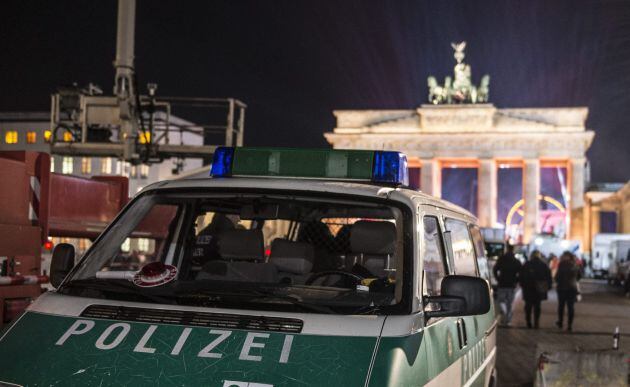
{"x":519,"y":168}
{"x":30,"y":131}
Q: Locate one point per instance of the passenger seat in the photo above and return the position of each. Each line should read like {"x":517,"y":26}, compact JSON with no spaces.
{"x":294,"y":260}
{"x":371,"y":244}
{"x":241,"y":259}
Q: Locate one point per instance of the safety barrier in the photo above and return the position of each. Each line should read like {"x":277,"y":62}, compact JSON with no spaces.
{"x":23,"y":280}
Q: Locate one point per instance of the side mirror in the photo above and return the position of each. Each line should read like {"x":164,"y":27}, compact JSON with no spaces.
{"x":460,"y":296}
{"x":61,"y":264}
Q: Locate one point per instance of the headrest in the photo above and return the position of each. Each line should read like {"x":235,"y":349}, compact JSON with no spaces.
{"x":242,"y":245}
{"x":220,"y":223}
{"x":373,"y":237}
{"x":292,"y":257}
{"x":316,"y":233}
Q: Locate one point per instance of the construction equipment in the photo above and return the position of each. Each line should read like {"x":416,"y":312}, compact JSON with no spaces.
{"x":138,"y":128}
{"x":38,"y":204}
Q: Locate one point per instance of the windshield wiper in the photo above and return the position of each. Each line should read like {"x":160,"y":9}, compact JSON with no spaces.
{"x":251,"y":295}
{"x":267,"y":294}
{"x":120,"y":287}
{"x":369,"y":309}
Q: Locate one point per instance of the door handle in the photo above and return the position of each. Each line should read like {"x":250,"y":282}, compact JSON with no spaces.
{"x":461,"y":333}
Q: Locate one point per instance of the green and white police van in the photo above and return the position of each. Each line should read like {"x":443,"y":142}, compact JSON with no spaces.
{"x":286,"y":267}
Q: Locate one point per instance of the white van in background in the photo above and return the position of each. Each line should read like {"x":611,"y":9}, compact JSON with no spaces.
{"x":620,"y":261}
{"x":601,"y":252}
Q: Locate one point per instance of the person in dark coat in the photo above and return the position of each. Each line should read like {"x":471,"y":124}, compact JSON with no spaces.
{"x":535,"y":280}
{"x":506,"y":272}
{"x":567,"y":279}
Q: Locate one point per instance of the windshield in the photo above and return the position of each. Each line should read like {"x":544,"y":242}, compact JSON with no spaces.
{"x":250,"y":251}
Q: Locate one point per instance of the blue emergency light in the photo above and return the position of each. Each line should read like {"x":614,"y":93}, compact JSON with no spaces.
{"x":383,"y":167}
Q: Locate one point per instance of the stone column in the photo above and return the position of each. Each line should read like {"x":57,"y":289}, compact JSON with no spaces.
{"x":595,"y":219}
{"x":576,"y":197}
{"x":586,"y":225}
{"x":487,"y":193}
{"x":531,"y":190}
{"x":430,"y":177}
{"x":577,"y":183}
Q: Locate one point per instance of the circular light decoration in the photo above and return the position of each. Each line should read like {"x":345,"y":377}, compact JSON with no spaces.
{"x":154,"y":274}
{"x":517,"y":208}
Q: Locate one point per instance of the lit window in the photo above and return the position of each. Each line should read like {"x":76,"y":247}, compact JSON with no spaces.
{"x":86,"y":165}
{"x":134,"y":172}
{"x":144,"y":137}
{"x":118,"y":167}
{"x":106,"y":166}
{"x":52,"y":163}
{"x":67,"y":136}
{"x":11,"y":137}
{"x":84,"y":244}
{"x":126,"y":246}
{"x":67,"y":165}
{"x":47,"y":135}
{"x":144,"y":171}
{"x":143,"y":244}
{"x":31,"y":137}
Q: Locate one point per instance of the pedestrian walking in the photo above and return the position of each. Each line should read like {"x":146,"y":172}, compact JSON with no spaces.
{"x":567,"y":279}
{"x":535,"y":280}
{"x":506,"y":271}
{"x":554,"y":261}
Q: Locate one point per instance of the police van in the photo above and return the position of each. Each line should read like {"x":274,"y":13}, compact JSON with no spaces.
{"x":286,"y":268}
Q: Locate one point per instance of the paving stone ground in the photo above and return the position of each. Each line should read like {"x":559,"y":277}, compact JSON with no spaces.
{"x":601,"y":310}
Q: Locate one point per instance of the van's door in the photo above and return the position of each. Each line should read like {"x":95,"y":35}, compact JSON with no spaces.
{"x":445,"y":337}
{"x":410,"y":352}
{"x":487,"y":322}
{"x":478,"y":353}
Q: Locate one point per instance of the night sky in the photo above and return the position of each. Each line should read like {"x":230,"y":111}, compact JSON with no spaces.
{"x":293,"y":62}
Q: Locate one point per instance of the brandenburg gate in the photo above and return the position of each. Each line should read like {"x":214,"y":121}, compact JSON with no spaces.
{"x":459,"y":129}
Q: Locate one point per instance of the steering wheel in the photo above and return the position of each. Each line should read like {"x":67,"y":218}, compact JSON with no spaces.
{"x":354,"y":277}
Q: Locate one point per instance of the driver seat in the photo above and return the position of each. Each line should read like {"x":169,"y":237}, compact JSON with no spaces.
{"x":242,"y":259}
{"x":294,"y":260}
{"x":372,"y":244}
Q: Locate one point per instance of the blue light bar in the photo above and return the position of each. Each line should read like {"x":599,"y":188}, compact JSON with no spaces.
{"x":382,"y":167}
{"x":390,"y":167}
{"x":222,"y":162}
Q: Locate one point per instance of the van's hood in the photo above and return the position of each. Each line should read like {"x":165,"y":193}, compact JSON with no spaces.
{"x":50,"y":349}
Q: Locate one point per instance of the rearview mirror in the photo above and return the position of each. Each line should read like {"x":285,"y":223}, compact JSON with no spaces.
{"x":260,"y":211}
{"x":460,"y":296}
{"x":61,"y":264}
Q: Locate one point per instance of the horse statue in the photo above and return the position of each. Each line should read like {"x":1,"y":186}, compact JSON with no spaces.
{"x":459,"y":89}
{"x":483,"y":90}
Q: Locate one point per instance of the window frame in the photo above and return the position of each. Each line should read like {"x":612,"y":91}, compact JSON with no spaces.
{"x":449,"y":249}
{"x":31,"y":137}
{"x":422,"y":248}
{"x":67,"y":165}
{"x":11,"y":137}
{"x":86,"y":165}
{"x":190,"y":196}
{"x":478,"y":255}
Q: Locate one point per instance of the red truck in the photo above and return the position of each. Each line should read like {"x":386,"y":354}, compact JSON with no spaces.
{"x":35,"y":205}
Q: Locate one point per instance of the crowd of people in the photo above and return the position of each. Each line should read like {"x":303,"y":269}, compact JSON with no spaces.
{"x":535,"y":278}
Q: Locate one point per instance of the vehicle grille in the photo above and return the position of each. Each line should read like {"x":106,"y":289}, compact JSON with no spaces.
{"x":199,"y":319}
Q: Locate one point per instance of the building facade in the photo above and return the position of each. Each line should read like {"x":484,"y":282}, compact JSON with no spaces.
{"x":606,"y":210}
{"x":471,"y":153}
{"x":31,"y":131}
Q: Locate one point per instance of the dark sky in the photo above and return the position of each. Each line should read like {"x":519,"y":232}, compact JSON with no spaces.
{"x":293,"y":62}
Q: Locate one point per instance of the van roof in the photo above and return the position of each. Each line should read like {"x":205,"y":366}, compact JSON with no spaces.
{"x":307,"y":185}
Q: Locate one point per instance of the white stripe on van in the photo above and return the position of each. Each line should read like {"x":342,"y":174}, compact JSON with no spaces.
{"x":482,"y":368}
